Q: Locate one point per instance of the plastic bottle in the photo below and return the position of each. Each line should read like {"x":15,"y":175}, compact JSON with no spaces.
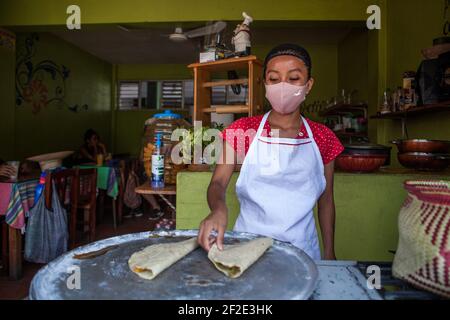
{"x":39,"y":187}
{"x":157,"y":180}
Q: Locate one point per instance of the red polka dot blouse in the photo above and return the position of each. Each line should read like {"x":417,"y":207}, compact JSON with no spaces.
{"x":329,"y":145}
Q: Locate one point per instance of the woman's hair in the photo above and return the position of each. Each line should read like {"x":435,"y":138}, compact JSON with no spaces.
{"x":89,"y":134}
{"x":289,"y":49}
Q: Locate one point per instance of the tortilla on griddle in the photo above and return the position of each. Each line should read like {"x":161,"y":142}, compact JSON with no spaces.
{"x":235,"y":259}
{"x":154,"y":259}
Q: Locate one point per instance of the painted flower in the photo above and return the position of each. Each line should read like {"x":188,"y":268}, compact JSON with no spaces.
{"x":36,"y":94}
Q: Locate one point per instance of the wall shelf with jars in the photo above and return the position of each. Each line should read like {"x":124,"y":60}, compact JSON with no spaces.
{"x":347,"y":120}
{"x":413,"y":111}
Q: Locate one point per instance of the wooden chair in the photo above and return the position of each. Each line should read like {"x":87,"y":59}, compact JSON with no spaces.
{"x":86,"y":195}
{"x":82,"y":185}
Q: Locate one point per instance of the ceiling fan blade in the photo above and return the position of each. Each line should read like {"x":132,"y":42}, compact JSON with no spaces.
{"x":210,"y":29}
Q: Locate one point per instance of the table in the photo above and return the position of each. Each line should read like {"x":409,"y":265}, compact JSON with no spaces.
{"x":16,"y":200}
{"x":146,"y":188}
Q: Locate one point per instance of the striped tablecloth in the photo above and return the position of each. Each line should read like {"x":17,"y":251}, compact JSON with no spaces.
{"x":16,"y":200}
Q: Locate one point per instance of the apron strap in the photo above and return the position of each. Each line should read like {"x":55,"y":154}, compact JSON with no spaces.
{"x":261,"y":125}
{"x":308,"y":129}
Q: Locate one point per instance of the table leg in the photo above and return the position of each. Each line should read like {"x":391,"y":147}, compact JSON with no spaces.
{"x":5,"y":258}
{"x":119,"y":209}
{"x":15,"y":253}
{"x":101,"y":204}
{"x":114,"y":212}
{"x":169,"y":204}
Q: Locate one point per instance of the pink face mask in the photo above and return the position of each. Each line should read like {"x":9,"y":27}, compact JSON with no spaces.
{"x":285,"y":97}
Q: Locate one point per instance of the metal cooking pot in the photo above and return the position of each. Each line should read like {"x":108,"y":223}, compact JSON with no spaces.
{"x":368,"y":149}
{"x":424,"y":161}
{"x":422,"y":145}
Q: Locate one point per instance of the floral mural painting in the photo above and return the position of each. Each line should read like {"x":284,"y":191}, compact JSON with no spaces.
{"x":40,"y":84}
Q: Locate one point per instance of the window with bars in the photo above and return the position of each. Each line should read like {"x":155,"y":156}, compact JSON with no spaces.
{"x":129,"y":95}
{"x":156,"y":94}
{"x":172,"y":94}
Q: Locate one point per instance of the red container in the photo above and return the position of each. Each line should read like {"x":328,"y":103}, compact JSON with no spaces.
{"x":360,"y":163}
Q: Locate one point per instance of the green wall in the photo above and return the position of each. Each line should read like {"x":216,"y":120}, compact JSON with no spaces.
{"x":353,"y":63}
{"x":55,"y":127}
{"x":7,"y":70}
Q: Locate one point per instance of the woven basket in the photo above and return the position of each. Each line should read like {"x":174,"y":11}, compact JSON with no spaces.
{"x":423,"y":253}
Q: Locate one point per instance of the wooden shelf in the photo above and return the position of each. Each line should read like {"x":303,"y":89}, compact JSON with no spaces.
{"x":430,"y":108}
{"x":224,"y":83}
{"x":343,"y":108}
{"x":203,"y":84}
{"x":227,"y":64}
{"x":350,"y":134}
{"x":227,"y":109}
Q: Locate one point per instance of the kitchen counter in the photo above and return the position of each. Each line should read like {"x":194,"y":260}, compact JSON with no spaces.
{"x":342,"y":280}
{"x":367,"y":207}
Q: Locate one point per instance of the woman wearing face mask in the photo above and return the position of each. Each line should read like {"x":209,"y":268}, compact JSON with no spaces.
{"x":288,"y":165}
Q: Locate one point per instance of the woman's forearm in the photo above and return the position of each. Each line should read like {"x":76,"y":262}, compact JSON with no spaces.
{"x":216,"y":197}
{"x":327,"y":216}
{"x":326,"y":213}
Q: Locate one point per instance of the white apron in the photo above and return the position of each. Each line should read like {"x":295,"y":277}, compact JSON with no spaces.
{"x":280,"y":181}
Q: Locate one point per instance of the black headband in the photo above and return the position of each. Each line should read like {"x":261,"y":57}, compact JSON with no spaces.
{"x":289,"y":49}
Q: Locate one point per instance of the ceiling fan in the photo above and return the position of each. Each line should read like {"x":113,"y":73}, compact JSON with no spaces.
{"x":210,"y":29}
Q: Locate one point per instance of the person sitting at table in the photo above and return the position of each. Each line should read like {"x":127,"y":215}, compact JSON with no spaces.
{"x":91,"y":148}
{"x":132,"y":199}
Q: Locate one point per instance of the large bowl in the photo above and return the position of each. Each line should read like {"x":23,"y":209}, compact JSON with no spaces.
{"x":424,"y":161}
{"x":52,"y":160}
{"x":360,"y":163}
{"x":423,"y":145}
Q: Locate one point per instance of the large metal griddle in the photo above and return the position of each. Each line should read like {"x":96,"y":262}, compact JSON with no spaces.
{"x":283,"y":272}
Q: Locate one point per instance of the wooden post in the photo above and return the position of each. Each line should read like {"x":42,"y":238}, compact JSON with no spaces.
{"x":5,"y":254}
{"x":202,"y":96}
{"x":255,"y":88}
{"x":15,"y":253}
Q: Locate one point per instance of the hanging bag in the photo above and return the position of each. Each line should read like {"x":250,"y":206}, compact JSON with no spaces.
{"x":46,"y":233}
{"x":131,"y":199}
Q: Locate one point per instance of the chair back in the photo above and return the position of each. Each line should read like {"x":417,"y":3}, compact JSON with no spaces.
{"x":64,"y":181}
{"x":86,"y":182}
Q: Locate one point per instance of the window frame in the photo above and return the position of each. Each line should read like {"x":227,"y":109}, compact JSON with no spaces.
{"x":159,"y":93}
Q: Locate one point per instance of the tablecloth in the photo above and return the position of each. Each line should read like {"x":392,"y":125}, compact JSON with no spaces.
{"x":16,"y":200}
{"x":107,"y":179}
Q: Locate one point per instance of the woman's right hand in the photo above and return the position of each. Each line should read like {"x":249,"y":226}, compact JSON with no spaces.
{"x":216,"y":220}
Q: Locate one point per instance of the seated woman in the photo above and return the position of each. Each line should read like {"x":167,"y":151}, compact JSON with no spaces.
{"x":91,"y":148}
